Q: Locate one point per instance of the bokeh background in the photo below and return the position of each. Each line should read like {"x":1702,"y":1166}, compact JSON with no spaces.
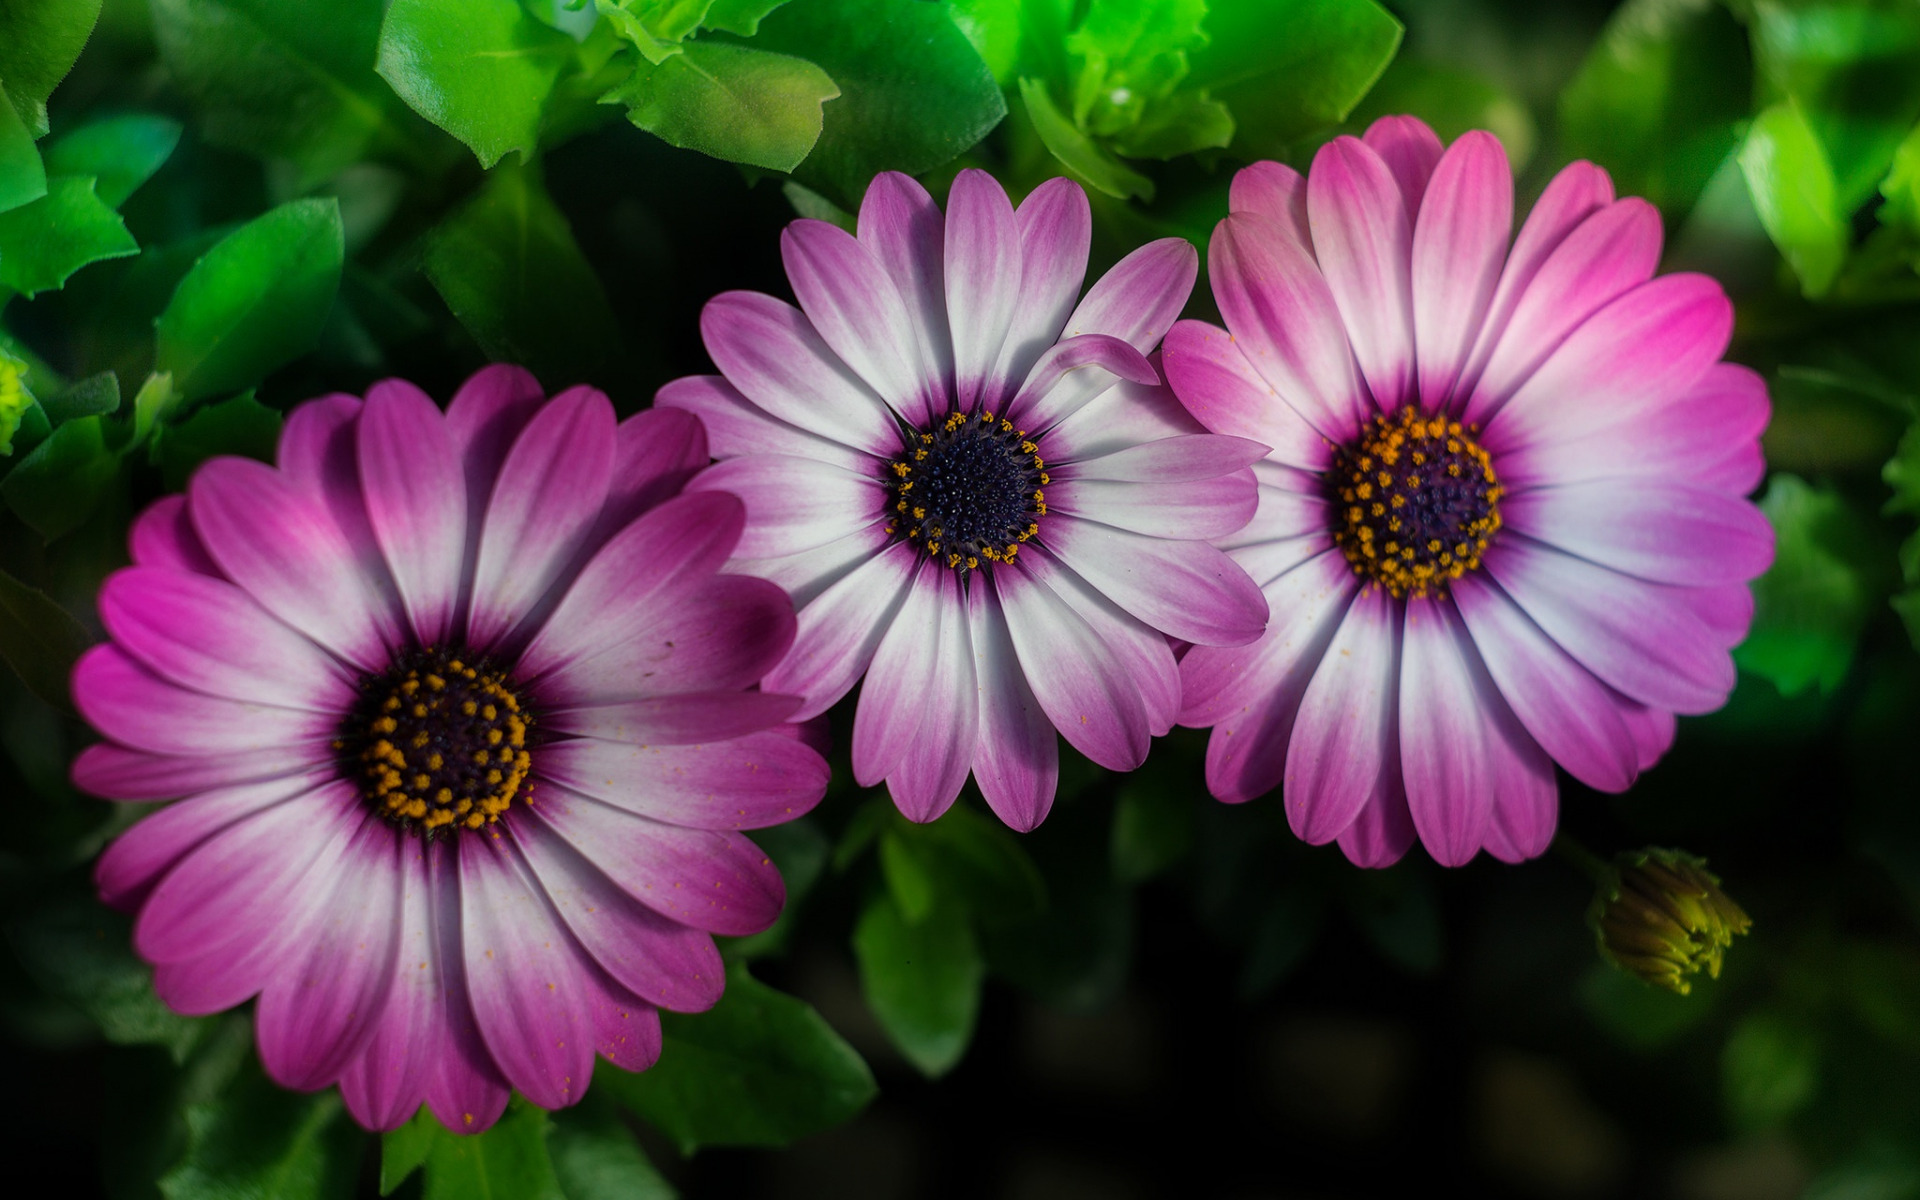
{"x":1153,"y":994}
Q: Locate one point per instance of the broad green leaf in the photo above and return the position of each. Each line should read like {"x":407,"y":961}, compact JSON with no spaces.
{"x":285,"y":79}
{"x":480,"y":69}
{"x":973,"y":859}
{"x":1453,"y":101}
{"x":597,"y":1158}
{"x":255,"y":301}
{"x":57,"y":486}
{"x":1769,"y":1070}
{"x":809,"y":203}
{"x":40,"y":641}
{"x":738,"y":16}
{"x":1854,"y":69}
{"x":23,"y":177}
{"x":1183,"y":123}
{"x":1793,"y":191}
{"x":241,"y":426}
{"x":1131,"y":54}
{"x":95,"y":396}
{"x":732,"y":102}
{"x":909,"y":880}
{"x":1658,"y":97}
{"x":509,"y":269}
{"x":922,"y":979}
{"x":993,"y":26}
{"x":43,"y":243}
{"x":39,"y":39}
{"x":1902,"y":187}
{"x":259,"y":1141}
{"x":655,"y":27}
{"x":121,"y":153}
{"x":1830,"y":573}
{"x":1285,"y":70}
{"x":914,"y":93}
{"x":1076,"y":151}
{"x":758,"y":1069}
{"x":82,"y":952}
{"x":507,"y":1162}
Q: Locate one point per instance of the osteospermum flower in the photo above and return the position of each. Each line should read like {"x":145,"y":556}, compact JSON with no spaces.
{"x":456,"y":705}
{"x":1503,"y":524}
{"x":974,"y":487}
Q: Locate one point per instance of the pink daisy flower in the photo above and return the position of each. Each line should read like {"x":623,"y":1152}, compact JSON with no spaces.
{"x":975,"y":488}
{"x":456,"y":705}
{"x":1504,"y":522}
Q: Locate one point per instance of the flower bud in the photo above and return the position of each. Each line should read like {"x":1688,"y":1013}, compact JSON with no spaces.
{"x":1661,"y":916}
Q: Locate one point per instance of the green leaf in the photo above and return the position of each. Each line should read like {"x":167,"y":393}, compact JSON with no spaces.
{"x":597,"y":1158}
{"x":507,"y":1162}
{"x":1453,"y":101}
{"x":1076,"y":151}
{"x":1902,"y":187}
{"x":909,"y":881}
{"x":655,"y":27}
{"x":82,"y":952}
{"x":121,"y":153}
{"x":480,"y":69}
{"x":254,"y":302}
{"x":41,"y":641}
{"x":1657,"y":98}
{"x":286,"y":79}
{"x":739,"y":16}
{"x":241,"y":426}
{"x":732,"y":102}
{"x":97,"y":395}
{"x":258,"y":1141}
{"x":974,"y":859}
{"x":1830,"y":573}
{"x":1769,"y":1070}
{"x":799,"y":850}
{"x":1183,"y":123}
{"x":23,"y":177}
{"x":1132,"y":54}
{"x":993,"y":26}
{"x":45,"y":242}
{"x":57,"y":486}
{"x":1286,"y":70}
{"x":39,"y":39}
{"x":16,"y":402}
{"x":914,"y":93}
{"x":509,"y":269}
{"x":1793,"y":191}
{"x":922,"y":980}
{"x":758,"y":1069}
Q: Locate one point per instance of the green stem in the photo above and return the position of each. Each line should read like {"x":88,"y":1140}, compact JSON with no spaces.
{"x":1590,"y":864}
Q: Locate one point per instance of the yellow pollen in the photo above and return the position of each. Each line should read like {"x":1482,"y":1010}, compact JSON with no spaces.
{"x":1416,"y":530}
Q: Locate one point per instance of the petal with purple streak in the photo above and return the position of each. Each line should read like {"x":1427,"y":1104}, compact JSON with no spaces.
{"x":1016,"y":758}
{"x":747,"y":782}
{"x":1363,"y":237}
{"x":1343,"y":734}
{"x":415,"y":489}
{"x":769,"y":350}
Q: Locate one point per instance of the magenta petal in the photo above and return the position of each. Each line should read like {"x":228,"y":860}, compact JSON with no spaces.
{"x":523,"y":974}
{"x":163,"y":536}
{"x":1277,"y":192}
{"x":1573,"y":716}
{"x":905,"y":656}
{"x":1123,"y":415}
{"x":282,"y":546}
{"x":465,"y":1089}
{"x":795,"y":504}
{"x":658,"y":959}
{"x":841,"y":628}
{"x":316,"y":1017}
{"x":1207,"y":508}
{"x":1344,"y":736}
{"x":721,"y":634}
{"x":982,"y":281}
{"x":205,"y":634}
{"x":1653,"y":730}
{"x":1079,"y":681}
{"x":137,"y":859}
{"x":640,"y":572}
{"x":907,"y":234}
{"x":1640,"y":638}
{"x":626,"y":1029}
{"x":137,"y":708}
{"x":1363,"y":237}
{"x":545,"y":505}
{"x":1055,"y":225}
{"x":855,"y":308}
{"x":926,"y":779}
{"x":228,"y":976}
{"x":387,"y":1083}
{"x":655,"y":452}
{"x":1459,"y":246}
{"x":677,"y":719}
{"x":1138,"y":299}
{"x":770,"y":351}
{"x":1283,"y":319}
{"x":1072,"y":372}
{"x":415,"y":489}
{"x":1142,"y":652}
{"x":1384,"y":831}
{"x":484,"y":418}
{"x":1189,"y":590}
{"x":1016,"y":758}
{"x":1445,"y":758}
{"x":748,"y":782}
{"x":1411,"y":150}
{"x":117,"y":773}
{"x":1663,"y":532}
{"x":1221,"y":389}
{"x":738,"y":427}
{"x":713,"y":880}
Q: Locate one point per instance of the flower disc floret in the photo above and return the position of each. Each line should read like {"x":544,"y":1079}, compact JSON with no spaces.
{"x":1416,"y":499}
{"x":438,"y":742}
{"x":968,"y":490}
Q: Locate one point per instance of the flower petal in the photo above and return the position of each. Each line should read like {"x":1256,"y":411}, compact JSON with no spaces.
{"x":416,"y":497}
{"x":905,"y":657}
{"x":1221,"y":389}
{"x":117,"y":773}
{"x":926,"y":779}
{"x":853,"y":304}
{"x":796,"y":504}
{"x":163,"y":536}
{"x":655,"y":452}
{"x":465,"y":1088}
{"x":1073,"y":372}
{"x":136,"y":860}
{"x":907,"y":234}
{"x":1138,"y":299}
{"x":748,"y":782}
{"x":139,"y":709}
{"x":1363,"y":238}
{"x":1055,"y":226}
{"x":1276,"y":192}
{"x":1446,"y":757}
{"x":770,"y":351}
{"x":1079,"y":681}
{"x":1016,"y":757}
{"x":1143,"y":652}
{"x":676,"y":719}
{"x":1663,"y":532}
{"x":1189,"y":590}
{"x":1384,"y":831}
{"x":1412,"y":151}
{"x":1123,"y":415}
{"x":1207,"y":508}
{"x":387,"y":1083}
{"x":1344,"y":735}
{"x":982,"y":282}
{"x":737,"y":427}
{"x":840,"y":629}
{"x":1459,"y":246}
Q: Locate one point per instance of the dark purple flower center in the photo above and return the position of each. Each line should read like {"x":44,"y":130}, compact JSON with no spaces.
{"x":1414,"y":500}
{"x":437,"y":741}
{"x":968,"y":490}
